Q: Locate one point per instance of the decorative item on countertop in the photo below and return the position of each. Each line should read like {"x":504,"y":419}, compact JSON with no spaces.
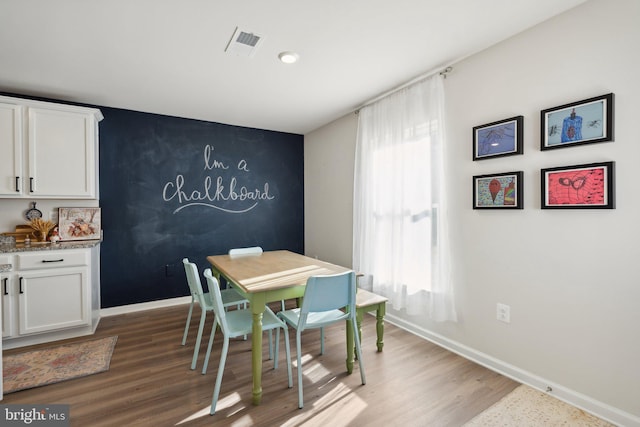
{"x":79,"y":223}
{"x":33,"y":212}
{"x":55,"y":237}
{"x":7,"y":240}
{"x":42,"y":228}
{"x":22,"y":232}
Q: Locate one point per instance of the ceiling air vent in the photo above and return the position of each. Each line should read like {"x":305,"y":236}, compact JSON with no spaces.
{"x":243,"y":43}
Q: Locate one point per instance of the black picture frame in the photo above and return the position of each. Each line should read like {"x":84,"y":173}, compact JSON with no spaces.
{"x":583,"y":122}
{"x":585,"y":186}
{"x":498,"y":191}
{"x":498,"y":139}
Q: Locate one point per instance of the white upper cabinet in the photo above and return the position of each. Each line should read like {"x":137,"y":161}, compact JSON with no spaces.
{"x":11,"y":163}
{"x":62,"y":154}
{"x":48,"y":150}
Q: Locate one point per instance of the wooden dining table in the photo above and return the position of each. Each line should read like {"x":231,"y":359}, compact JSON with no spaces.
{"x":268,"y":277}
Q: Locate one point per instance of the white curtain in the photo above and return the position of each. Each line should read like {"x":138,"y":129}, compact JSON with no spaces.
{"x":400,"y":240}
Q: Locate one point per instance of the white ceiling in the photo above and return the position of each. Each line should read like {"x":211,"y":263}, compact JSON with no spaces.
{"x":168,"y":56}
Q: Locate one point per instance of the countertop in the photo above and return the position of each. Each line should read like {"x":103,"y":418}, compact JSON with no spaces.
{"x":6,"y":248}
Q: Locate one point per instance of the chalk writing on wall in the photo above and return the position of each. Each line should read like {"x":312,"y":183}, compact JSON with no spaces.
{"x":214,"y":190}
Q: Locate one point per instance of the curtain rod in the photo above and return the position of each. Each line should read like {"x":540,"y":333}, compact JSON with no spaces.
{"x":442,"y":72}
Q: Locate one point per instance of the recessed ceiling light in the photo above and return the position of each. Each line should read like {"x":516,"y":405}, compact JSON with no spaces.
{"x":288,"y":57}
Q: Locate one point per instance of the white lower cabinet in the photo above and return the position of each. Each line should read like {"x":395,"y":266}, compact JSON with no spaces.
{"x":53,"y":299}
{"x":6,"y":303}
{"x":6,"y":281}
{"x":47,"y":296}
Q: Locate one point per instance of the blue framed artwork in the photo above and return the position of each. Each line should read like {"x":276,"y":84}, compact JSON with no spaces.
{"x":498,"y":191}
{"x":497,"y":139}
{"x":578,"y":123}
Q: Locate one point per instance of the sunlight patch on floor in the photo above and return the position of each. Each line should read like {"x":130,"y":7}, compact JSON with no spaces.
{"x":245,"y":421}
{"x":303,"y":359}
{"x":226,"y":402}
{"x":201,"y":413}
{"x":341,"y":406}
{"x":313,"y":371}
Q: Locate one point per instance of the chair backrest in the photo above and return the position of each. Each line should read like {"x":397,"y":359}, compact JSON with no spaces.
{"x":193,"y":279}
{"x":330,"y":292}
{"x":253,"y":250}
{"x":216,"y":297}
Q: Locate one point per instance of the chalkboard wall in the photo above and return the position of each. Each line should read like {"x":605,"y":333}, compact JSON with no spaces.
{"x":172,"y":188}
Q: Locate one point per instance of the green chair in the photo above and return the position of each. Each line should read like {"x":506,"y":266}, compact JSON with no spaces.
{"x":229,"y":298}
{"x":236,"y":323}
{"x":327,"y":300}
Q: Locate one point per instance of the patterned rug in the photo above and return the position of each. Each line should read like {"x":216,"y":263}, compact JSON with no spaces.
{"x":527,"y":407}
{"x":55,"y":364}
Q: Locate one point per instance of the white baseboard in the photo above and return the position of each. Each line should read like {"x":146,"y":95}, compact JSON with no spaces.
{"x":132,"y":308}
{"x":586,"y":403}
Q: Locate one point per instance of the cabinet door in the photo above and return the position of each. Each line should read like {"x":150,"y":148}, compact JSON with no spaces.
{"x":11,"y":178}
{"x":53,"y":299}
{"x":7,"y":307}
{"x":62,"y":154}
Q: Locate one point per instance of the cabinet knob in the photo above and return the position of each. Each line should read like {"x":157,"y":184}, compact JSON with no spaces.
{"x":4,"y":286}
{"x":31,"y":185}
{"x":17,"y":184}
{"x":53,"y":260}
{"x":21,"y":290}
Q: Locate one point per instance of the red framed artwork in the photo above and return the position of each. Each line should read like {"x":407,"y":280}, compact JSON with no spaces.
{"x":588,"y":186}
{"x":498,"y":191}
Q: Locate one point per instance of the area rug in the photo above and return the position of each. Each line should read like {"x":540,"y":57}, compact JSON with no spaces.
{"x":55,"y":364}
{"x":527,"y":407}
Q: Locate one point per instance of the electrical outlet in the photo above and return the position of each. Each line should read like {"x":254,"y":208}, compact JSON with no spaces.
{"x":503,"y":313}
{"x":168,"y":270}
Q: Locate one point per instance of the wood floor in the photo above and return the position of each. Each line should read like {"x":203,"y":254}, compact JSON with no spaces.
{"x":411,"y":383}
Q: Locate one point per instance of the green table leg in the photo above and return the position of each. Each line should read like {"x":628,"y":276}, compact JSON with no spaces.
{"x":380,"y":312}
{"x":380,"y":309}
{"x":350,"y":347}
{"x":257,"y":309}
{"x":359,"y":317}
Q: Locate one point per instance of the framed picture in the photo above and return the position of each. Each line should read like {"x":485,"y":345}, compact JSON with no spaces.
{"x":497,"y":139}
{"x":578,"y":123}
{"x":498,"y":191}
{"x":589,"y":186}
{"x":79,"y":223}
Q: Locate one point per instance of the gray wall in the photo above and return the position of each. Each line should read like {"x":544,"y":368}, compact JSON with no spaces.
{"x":570,"y":276}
